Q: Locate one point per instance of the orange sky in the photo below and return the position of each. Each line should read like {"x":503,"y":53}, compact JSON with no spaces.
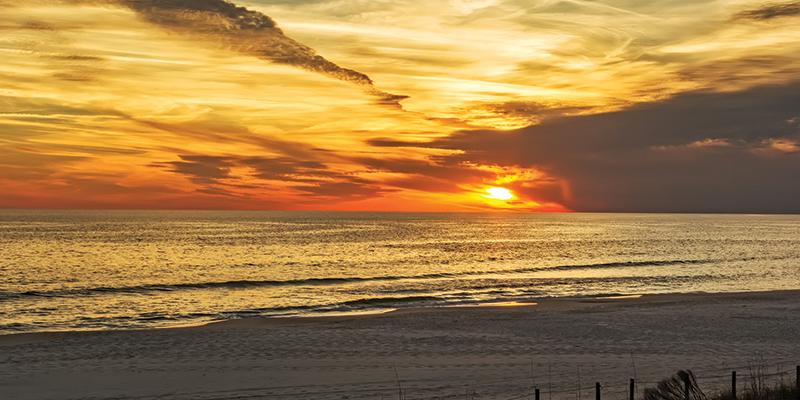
{"x":399,"y":106}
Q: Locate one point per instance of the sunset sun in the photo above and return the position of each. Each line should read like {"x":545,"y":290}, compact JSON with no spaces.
{"x":498,"y":193}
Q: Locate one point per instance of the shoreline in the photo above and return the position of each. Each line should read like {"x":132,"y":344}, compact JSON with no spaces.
{"x":511,"y":306}
{"x":488,"y":352}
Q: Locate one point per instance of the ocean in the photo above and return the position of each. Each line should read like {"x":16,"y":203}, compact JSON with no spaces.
{"x":81,"y":270}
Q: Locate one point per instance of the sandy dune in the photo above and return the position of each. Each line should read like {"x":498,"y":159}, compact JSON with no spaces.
{"x":476,"y":352}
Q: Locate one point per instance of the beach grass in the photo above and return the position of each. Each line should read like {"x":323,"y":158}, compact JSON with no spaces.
{"x":781,"y":390}
{"x":757,"y":386}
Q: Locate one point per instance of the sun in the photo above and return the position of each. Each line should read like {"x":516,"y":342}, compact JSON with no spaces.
{"x":498,"y":193}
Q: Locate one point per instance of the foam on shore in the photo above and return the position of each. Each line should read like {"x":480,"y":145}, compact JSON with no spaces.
{"x":538,"y":304}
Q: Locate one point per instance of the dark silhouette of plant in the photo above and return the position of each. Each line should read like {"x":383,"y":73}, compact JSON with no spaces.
{"x":681,"y":386}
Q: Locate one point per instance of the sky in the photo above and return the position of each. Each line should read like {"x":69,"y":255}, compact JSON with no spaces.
{"x":378,"y":105}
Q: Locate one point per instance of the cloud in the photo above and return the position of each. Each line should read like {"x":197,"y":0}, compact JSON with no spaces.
{"x":228,"y":175}
{"x":744,"y":71}
{"x":284,"y":168}
{"x":202,"y":169}
{"x":657,"y":157}
{"x":770,"y":11}
{"x":516,"y":113}
{"x":21,"y":163}
{"x":50,"y":49}
{"x":17,"y":105}
{"x":435,"y":168}
{"x":354,"y":190}
{"x":437,"y":175}
{"x":75,"y":68}
{"x":248,"y":32}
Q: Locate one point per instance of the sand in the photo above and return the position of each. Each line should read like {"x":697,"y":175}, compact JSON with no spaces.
{"x":495,"y":352}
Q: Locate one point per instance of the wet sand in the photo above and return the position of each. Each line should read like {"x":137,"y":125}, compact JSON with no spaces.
{"x":482,"y":352}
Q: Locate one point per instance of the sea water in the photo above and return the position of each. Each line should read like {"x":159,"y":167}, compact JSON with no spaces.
{"x":77,"y":270}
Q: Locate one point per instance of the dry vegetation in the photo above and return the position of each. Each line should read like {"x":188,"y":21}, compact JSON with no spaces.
{"x":683,"y":386}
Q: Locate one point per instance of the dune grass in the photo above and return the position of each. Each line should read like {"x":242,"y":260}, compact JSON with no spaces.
{"x":777,"y":391}
{"x":683,"y":386}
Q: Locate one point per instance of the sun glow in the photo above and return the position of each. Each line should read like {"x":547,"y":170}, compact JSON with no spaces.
{"x":498,"y":193}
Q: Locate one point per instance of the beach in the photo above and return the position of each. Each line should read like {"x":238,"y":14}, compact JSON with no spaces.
{"x":562,"y":346}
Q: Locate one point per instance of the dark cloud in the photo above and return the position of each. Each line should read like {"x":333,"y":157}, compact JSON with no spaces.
{"x":744,"y":70}
{"x":202,"y":169}
{"x":697,"y":152}
{"x":439,"y":168}
{"x":770,"y":11}
{"x":248,"y":32}
{"x":284,"y":168}
{"x":344,"y":190}
{"x":294,"y":161}
{"x":389,"y":142}
{"x":213,"y":176}
{"x":436,"y":174}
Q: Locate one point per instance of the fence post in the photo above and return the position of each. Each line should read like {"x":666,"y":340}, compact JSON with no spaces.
{"x":597,"y":390}
{"x":537,"y":394}
{"x":633,"y":384}
{"x":733,"y":385}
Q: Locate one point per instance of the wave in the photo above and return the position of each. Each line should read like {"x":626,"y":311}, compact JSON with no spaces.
{"x":245,"y":284}
{"x":525,"y":289}
{"x":238,"y":284}
{"x":390,"y":302}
